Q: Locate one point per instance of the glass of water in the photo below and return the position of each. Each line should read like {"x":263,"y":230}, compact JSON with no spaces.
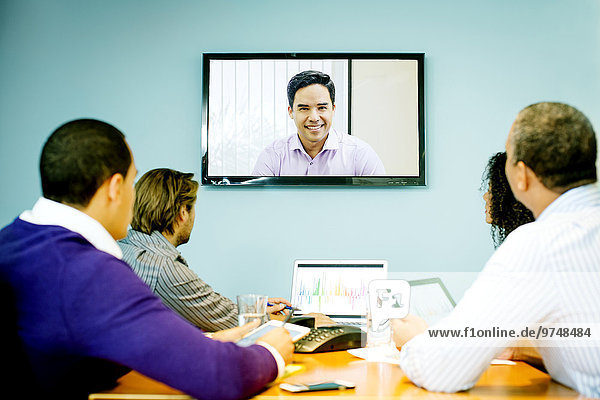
{"x":252,"y":307}
{"x":379,"y":332}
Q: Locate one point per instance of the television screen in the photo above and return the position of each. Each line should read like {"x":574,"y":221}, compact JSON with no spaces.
{"x":313,"y":119}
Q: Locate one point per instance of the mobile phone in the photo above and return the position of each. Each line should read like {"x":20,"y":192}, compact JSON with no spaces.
{"x":337,"y":384}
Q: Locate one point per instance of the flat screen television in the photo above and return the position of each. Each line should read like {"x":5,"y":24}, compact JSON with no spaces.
{"x":377,"y":117}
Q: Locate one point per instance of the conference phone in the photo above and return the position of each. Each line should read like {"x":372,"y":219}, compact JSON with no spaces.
{"x":331,"y":338}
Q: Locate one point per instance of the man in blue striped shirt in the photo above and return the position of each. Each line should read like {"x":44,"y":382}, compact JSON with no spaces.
{"x":545,"y":278}
{"x":163,"y":219}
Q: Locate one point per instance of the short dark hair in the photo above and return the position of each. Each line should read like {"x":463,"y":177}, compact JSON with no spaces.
{"x":506,"y":212}
{"x":160,"y":194}
{"x":307,"y":78}
{"x":79,"y":157}
{"x":558,"y":143}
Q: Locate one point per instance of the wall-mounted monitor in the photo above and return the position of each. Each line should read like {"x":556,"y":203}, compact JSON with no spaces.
{"x":264,"y":121}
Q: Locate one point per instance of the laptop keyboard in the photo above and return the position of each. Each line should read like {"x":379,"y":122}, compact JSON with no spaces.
{"x":351,"y":323}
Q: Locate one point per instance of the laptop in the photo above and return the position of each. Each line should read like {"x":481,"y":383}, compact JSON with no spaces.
{"x":336,"y":288}
{"x":430,"y":300}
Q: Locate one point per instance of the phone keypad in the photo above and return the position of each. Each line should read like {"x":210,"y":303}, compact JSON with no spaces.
{"x":318,"y":335}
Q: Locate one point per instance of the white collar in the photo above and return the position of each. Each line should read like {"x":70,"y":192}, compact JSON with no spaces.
{"x":48,"y":212}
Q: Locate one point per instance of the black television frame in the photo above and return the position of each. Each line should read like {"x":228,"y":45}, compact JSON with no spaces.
{"x":312,"y":180}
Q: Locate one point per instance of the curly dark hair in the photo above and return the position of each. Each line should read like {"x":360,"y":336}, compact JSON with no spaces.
{"x":506,"y":212}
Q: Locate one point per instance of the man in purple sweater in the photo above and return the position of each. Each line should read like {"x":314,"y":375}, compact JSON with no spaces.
{"x":82,"y":316}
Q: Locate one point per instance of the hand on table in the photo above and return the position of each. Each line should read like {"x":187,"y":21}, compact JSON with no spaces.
{"x":281,"y":340}
{"x":278,"y":306}
{"x":406,"y":328}
{"x":321,"y":319}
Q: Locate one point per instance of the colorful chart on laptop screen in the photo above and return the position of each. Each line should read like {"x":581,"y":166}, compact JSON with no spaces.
{"x":334,"y":287}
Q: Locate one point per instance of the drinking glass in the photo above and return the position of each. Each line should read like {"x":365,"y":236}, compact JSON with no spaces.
{"x":252,"y":307}
{"x":379,"y":332}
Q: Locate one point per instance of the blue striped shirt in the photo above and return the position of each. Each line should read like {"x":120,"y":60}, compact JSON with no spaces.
{"x":546,"y":272}
{"x":158,"y":263}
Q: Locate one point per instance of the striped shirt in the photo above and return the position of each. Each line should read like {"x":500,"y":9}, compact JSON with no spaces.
{"x":158,"y":263}
{"x":546,"y":272}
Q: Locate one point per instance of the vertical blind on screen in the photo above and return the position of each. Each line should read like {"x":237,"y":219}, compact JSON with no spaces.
{"x":248,"y":108}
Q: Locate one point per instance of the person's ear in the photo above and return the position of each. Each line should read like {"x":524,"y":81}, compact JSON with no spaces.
{"x":291,"y":112}
{"x":115,"y":183}
{"x":523,"y":176}
{"x":184,"y":214}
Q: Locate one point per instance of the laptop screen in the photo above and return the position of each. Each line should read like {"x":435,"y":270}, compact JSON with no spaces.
{"x":337,"y":288}
{"x":430,"y":300}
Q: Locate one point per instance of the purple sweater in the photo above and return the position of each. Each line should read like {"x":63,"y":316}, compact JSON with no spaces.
{"x":78,"y":306}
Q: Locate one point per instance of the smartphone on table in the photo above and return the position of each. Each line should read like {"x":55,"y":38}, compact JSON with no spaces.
{"x":337,"y":384}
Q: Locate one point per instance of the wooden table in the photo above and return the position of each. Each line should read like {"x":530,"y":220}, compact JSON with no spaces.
{"x":373,"y":381}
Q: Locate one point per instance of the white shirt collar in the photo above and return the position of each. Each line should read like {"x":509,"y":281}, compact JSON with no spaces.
{"x":331,"y":143}
{"x":571,"y":200}
{"x":48,"y":212}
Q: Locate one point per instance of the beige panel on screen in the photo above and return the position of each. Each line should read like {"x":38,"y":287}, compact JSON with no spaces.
{"x":385,"y":112}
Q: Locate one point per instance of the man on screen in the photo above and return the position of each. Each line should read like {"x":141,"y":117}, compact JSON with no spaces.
{"x":316,"y":149}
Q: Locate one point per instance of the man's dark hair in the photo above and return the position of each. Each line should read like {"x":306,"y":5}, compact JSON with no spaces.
{"x":558,"y":143}
{"x":160,"y":194}
{"x":79,"y":157}
{"x":307,"y":78}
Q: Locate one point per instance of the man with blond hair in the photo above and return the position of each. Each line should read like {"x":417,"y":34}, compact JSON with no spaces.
{"x":163,"y":219}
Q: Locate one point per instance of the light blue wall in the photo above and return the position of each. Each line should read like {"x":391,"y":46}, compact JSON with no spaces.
{"x":137,"y":64}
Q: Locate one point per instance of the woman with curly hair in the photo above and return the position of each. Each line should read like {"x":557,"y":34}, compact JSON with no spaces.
{"x":502,"y":210}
